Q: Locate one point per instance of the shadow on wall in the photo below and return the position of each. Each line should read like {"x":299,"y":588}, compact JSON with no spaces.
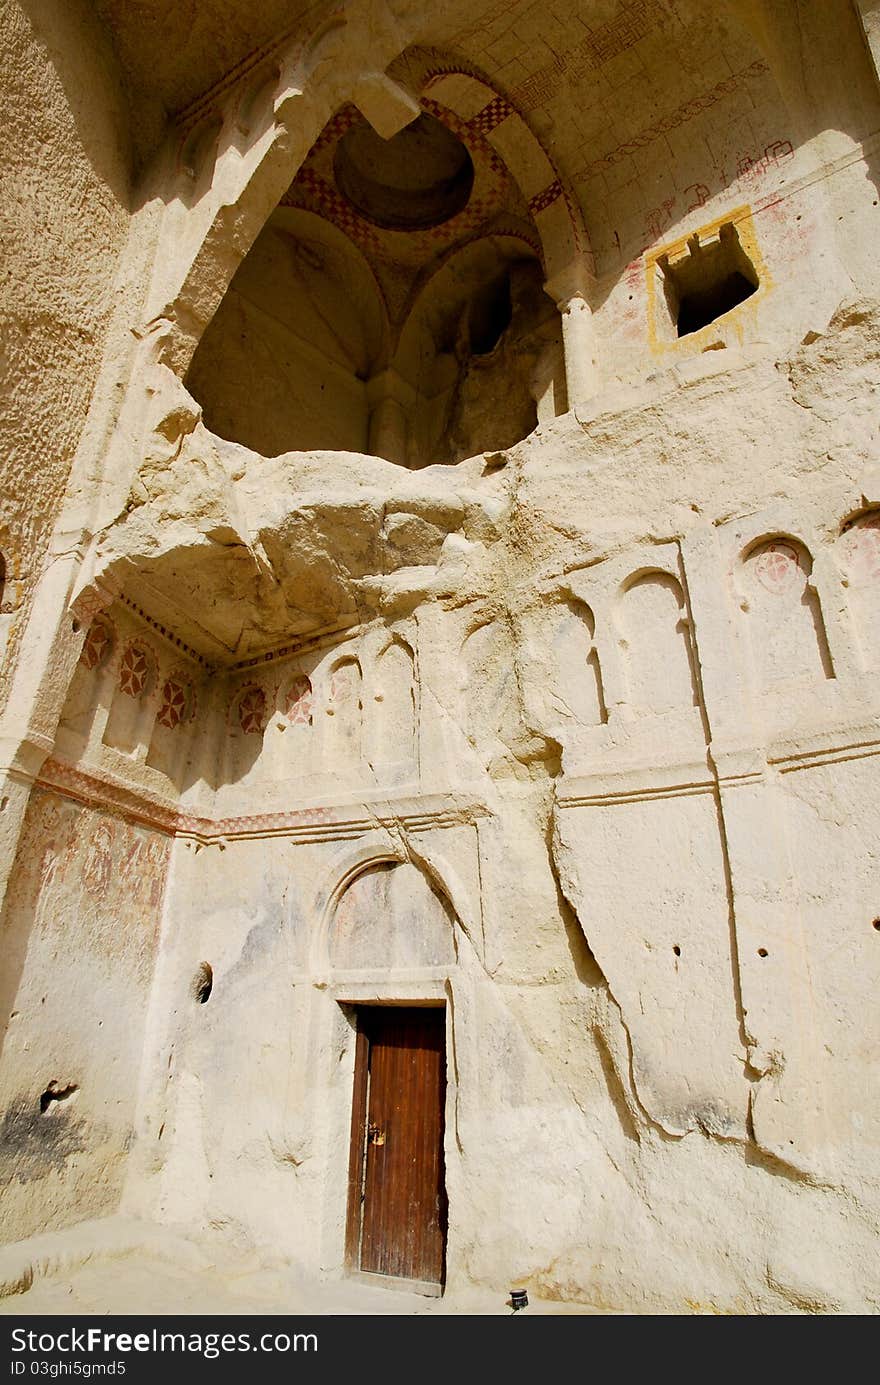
{"x":484,"y":343}
{"x":85,"y":64}
{"x":134,"y":705}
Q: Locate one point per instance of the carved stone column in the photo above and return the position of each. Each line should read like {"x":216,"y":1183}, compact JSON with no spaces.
{"x":389,"y":398}
{"x":569,"y":292}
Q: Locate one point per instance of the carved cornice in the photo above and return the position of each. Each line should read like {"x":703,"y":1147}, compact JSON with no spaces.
{"x":340,"y":822}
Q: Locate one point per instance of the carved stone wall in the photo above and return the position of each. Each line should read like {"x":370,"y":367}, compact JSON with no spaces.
{"x":81,"y":929}
{"x":464,"y":593}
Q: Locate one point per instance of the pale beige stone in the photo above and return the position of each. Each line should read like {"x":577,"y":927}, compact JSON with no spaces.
{"x":398,"y":610}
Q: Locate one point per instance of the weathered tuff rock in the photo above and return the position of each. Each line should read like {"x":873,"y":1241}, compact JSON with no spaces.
{"x":532,"y":679}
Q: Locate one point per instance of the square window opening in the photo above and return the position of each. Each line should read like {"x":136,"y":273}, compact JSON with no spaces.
{"x":708,"y":281}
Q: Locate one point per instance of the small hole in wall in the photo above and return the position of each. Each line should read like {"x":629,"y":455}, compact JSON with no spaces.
{"x":75,"y":626}
{"x":203,"y":983}
{"x":676,"y":949}
{"x":55,"y":1093}
{"x":876,"y":924}
{"x":762,"y":952}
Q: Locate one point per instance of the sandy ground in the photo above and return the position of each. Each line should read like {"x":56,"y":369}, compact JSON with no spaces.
{"x":183,"y":1277}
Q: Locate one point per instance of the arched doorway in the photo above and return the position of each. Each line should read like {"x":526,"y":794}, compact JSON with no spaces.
{"x":390,"y":923}
{"x":397,"y":1207}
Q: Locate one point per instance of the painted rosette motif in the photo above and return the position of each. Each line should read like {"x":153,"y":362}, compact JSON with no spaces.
{"x":134,"y":671}
{"x":778,"y":568}
{"x":176,"y":702}
{"x":861,"y":541}
{"x":298,"y":702}
{"x":98,"y":643}
{"x":252,"y":711}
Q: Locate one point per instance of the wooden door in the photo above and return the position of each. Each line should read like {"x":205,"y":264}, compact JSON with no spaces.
{"x":397,"y":1195}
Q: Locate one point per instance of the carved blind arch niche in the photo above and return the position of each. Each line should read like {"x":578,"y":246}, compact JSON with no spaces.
{"x":389,"y":918}
{"x":658,"y":656}
{"x":132,"y":709}
{"x":784,"y":614}
{"x":575,"y":684}
{"x":396,"y":720}
{"x":343,"y":737}
{"x":91,"y":684}
{"x":859,"y":551}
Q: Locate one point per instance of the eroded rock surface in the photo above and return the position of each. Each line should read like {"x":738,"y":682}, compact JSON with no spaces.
{"x":465,"y":598}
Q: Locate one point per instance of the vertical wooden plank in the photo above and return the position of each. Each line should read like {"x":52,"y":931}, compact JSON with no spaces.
{"x":373,"y":1209}
{"x":432,"y":1263}
{"x":356,"y":1151}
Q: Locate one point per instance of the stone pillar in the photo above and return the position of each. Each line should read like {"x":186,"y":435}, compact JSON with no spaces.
{"x":388,"y":430}
{"x":52,"y":639}
{"x":388,"y":398}
{"x":568,"y":290}
{"x":578,"y":339}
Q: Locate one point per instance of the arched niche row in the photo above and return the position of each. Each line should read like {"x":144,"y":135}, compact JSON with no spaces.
{"x":393,"y":304}
{"x":131,"y":696}
{"x":335,"y":716}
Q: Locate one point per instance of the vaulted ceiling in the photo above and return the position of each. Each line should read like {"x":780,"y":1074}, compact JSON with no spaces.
{"x":645,"y":106}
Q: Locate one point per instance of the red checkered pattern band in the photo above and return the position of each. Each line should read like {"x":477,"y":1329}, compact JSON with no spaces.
{"x":490,"y":117}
